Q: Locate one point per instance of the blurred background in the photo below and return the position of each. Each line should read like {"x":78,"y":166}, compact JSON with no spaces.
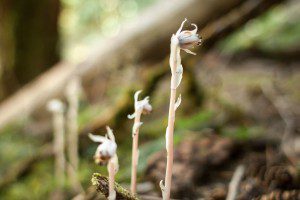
{"x":240,"y":93}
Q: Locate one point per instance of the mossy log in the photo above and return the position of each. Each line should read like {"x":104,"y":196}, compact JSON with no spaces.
{"x":101,"y":183}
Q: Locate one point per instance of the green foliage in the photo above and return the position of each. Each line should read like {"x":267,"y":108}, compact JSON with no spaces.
{"x":196,"y":121}
{"x":277,"y":30}
{"x":82,"y":22}
{"x":243,"y":132}
{"x":15,"y":145}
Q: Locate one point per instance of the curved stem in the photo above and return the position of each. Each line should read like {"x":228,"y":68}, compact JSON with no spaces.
{"x":135,"y":155}
{"x":171,"y":121}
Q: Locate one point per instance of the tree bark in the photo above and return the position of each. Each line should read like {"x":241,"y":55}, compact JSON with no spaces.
{"x":29,"y":37}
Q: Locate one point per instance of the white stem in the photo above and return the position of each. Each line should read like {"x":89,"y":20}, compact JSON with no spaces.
{"x":234,"y":183}
{"x":58,"y":124}
{"x":175,"y":61}
{"x":171,"y":121}
{"x":134,"y":160}
{"x":111,"y":180}
{"x":72,"y":116}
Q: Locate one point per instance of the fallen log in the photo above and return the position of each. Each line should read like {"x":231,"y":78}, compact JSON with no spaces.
{"x":144,"y":33}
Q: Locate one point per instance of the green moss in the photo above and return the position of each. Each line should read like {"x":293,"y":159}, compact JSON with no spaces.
{"x":243,"y":132}
{"x":101,"y":183}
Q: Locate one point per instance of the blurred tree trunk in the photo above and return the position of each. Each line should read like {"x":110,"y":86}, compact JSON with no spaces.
{"x":28,"y":41}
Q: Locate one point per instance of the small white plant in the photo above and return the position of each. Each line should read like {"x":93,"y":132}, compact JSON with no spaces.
{"x":140,"y":107}
{"x":57,"y":108}
{"x":106,"y":154}
{"x":181,"y":40}
{"x":72,"y":93}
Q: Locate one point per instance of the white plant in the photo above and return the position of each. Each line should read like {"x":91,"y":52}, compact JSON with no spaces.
{"x":72,"y":93}
{"x":140,"y":107}
{"x":106,"y":154}
{"x":57,"y":108}
{"x":181,"y":40}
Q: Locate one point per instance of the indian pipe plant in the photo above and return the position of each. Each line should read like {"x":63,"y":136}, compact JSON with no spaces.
{"x":106,"y":151}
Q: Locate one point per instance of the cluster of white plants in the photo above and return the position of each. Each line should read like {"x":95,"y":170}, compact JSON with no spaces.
{"x":106,"y":151}
{"x":58,"y":108}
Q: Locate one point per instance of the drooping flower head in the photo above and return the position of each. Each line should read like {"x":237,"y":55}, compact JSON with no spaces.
{"x":188,"y":38}
{"x":107,"y":147}
{"x":141,"y":107}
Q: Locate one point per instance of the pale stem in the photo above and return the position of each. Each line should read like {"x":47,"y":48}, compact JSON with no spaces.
{"x":111,"y":181}
{"x":234,"y":183}
{"x":72,"y":116}
{"x":171,"y":121}
{"x":58,"y":124}
{"x":135,"y":155}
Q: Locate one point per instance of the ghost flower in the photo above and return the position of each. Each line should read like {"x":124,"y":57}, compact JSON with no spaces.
{"x":140,"y":107}
{"x":106,"y":149}
{"x":188,"y":38}
{"x":106,"y":154}
{"x":181,"y":40}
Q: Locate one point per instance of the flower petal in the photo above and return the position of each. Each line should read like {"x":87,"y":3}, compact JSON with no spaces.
{"x":195,"y":30}
{"x":189,"y":51}
{"x":136,"y":95}
{"x":97,"y":138}
{"x":110,"y":133}
{"x":181,"y":26}
{"x":131,"y":116}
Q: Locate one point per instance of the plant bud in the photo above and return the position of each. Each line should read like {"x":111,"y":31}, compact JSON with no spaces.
{"x":188,"y":39}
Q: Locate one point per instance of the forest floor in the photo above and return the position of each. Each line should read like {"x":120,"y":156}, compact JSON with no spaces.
{"x":238,"y":124}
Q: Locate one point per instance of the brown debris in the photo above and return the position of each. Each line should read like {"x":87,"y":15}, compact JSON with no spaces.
{"x":191,"y":159}
{"x":281,"y":195}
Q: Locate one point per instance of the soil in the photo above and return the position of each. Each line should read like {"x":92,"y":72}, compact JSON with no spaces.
{"x":203,"y":168}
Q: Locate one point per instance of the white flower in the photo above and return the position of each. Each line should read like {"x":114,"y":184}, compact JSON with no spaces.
{"x":187,"y":39}
{"x":107,"y":147}
{"x":140,"y":107}
{"x":181,"y":40}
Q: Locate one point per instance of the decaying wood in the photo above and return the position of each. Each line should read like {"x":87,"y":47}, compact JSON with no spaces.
{"x":144,"y":33}
{"x":101,"y":183}
{"x":281,"y":195}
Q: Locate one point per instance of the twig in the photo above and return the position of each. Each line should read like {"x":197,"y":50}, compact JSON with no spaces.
{"x":234,"y":183}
